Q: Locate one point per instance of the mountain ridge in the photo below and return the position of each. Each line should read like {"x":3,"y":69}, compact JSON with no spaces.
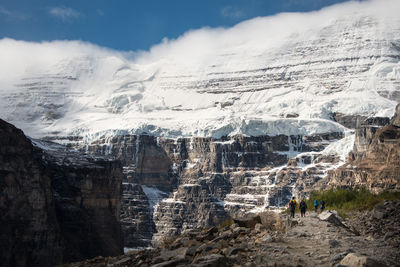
{"x":272,"y":81}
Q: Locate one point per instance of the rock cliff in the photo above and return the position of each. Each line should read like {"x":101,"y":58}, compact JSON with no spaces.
{"x":375,"y":159}
{"x":56,"y":204}
{"x":30,"y":233}
{"x":171,"y":185}
{"x":87,"y":193}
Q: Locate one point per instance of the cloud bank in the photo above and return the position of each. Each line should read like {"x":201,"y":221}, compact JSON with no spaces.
{"x":64,"y":13}
{"x":195,"y":45}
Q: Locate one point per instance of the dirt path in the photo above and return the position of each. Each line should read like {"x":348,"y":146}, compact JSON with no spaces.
{"x":313,"y":242}
{"x":308,"y":242}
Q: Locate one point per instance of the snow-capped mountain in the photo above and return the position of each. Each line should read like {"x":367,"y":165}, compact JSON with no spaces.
{"x":213,"y":82}
{"x":219,"y":122}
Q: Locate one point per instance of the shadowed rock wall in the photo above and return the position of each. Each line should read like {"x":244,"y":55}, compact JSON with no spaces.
{"x":30,"y":234}
{"x":56,"y":205}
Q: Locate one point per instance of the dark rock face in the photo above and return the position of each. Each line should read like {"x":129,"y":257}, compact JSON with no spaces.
{"x":375,"y":160}
{"x":348,"y":121}
{"x":56,"y":206}
{"x":174,"y":185}
{"x":87,"y":192}
{"x":136,"y":219}
{"x":355,"y":121}
{"x":29,"y":228}
{"x":145,"y":163}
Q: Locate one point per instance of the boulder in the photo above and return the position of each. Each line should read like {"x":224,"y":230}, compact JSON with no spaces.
{"x":331,"y":217}
{"x":271,"y":220}
{"x":379,"y":212}
{"x":179,"y":253}
{"x":333,"y":243}
{"x":170,"y":263}
{"x":211,"y":260}
{"x":354,"y":260}
{"x":248,"y":222}
{"x":259,"y":227}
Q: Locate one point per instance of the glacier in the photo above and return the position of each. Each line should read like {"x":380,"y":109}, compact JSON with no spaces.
{"x":285,"y":74}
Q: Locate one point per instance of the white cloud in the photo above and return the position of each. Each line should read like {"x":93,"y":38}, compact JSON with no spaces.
{"x":19,"y":57}
{"x":4,"y":11}
{"x":194,"y":48}
{"x":232,"y":12}
{"x":9,"y":14}
{"x":64,"y":13}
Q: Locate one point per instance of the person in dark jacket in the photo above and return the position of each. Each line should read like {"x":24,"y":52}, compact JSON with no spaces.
{"x":303,"y":208}
{"x":292,"y":207}
{"x":322,"y":205}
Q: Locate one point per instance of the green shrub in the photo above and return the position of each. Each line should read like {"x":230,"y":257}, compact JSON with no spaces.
{"x":346,"y":200}
{"x":227,"y":222}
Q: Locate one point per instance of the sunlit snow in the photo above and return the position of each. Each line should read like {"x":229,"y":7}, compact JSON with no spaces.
{"x":285,"y":74}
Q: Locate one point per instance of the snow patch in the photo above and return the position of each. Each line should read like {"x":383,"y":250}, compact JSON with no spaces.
{"x":154,"y":196}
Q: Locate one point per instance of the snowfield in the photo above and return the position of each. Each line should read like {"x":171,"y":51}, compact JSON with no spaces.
{"x":285,"y":74}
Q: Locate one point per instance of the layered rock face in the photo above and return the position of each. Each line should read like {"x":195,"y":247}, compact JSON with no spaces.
{"x":171,"y":185}
{"x":56,"y":205}
{"x":87,"y":193}
{"x":146,"y":166}
{"x":30,"y":234}
{"x":375,"y":160}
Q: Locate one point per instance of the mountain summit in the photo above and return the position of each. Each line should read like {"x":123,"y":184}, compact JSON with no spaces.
{"x":287,"y":74}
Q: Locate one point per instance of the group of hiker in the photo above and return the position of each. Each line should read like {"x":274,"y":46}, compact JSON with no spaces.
{"x":303,"y":206}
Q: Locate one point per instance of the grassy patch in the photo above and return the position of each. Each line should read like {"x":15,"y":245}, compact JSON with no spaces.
{"x":346,"y":200}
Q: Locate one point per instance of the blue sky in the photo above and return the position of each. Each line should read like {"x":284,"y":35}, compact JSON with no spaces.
{"x":132,"y":24}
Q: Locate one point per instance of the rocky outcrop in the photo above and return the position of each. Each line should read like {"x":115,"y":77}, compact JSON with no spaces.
{"x":348,"y":121}
{"x":381,"y":223}
{"x":87,"y":193}
{"x":395,"y":121}
{"x":281,"y":241}
{"x":30,"y":234}
{"x":175,"y":185}
{"x":56,"y":204}
{"x":375,"y":160}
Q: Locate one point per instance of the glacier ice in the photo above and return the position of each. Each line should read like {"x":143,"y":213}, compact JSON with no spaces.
{"x":274,"y":75}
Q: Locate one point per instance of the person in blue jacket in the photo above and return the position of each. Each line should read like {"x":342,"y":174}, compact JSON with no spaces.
{"x":316,"y":204}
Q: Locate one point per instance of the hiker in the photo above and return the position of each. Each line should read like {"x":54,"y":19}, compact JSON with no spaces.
{"x":292,"y":207}
{"x":316,"y":205}
{"x":322,"y":205}
{"x":303,"y":208}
